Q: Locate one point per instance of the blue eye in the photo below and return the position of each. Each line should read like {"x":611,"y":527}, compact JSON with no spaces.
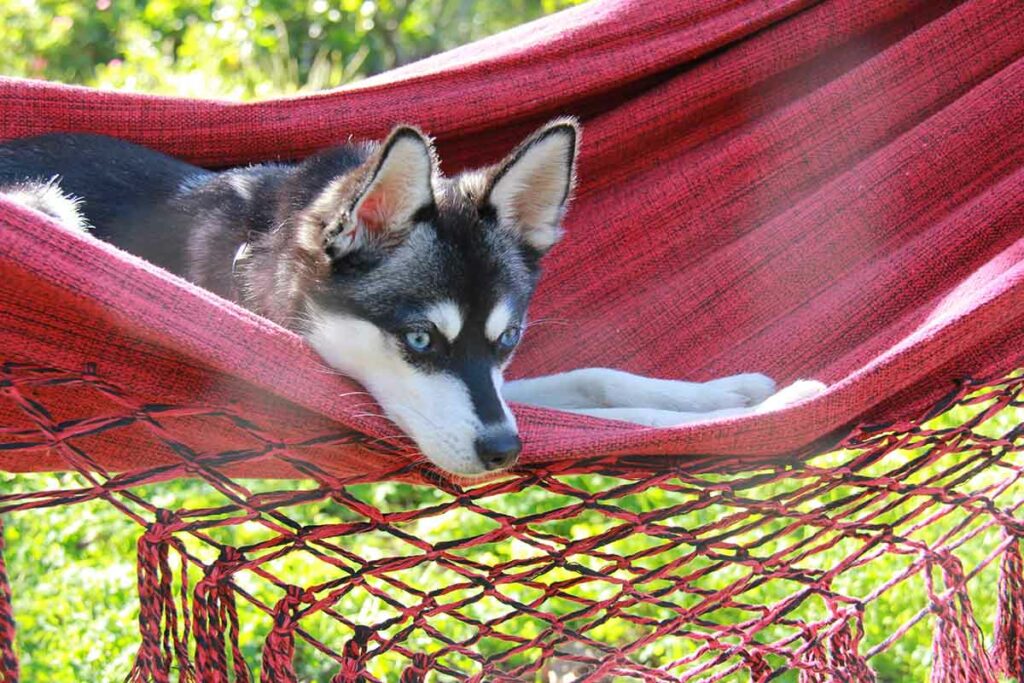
{"x":510,"y":337}
{"x":419,"y":340}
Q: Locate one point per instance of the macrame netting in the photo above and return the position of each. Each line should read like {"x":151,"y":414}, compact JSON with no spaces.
{"x":827,"y":189}
{"x":604,"y":604}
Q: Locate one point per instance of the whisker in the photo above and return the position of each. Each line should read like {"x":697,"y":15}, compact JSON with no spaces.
{"x":355,"y":393}
{"x":549,"y":321}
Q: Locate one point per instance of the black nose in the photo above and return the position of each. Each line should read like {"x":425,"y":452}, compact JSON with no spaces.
{"x":499,"y":450}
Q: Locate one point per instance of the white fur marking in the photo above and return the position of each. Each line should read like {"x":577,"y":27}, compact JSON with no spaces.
{"x":240,"y":255}
{"x":797,"y":392}
{"x":49,"y":198}
{"x":498,"y":320}
{"x":242,"y":184}
{"x":446,"y":317}
{"x":499,"y":382}
{"x":434,"y":409}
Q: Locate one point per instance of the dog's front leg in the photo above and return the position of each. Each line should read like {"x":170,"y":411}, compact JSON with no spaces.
{"x":617,"y":395}
{"x":602,"y":388}
{"x":652,"y":417}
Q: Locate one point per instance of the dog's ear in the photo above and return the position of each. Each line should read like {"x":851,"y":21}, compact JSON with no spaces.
{"x":399,"y":184}
{"x":396,"y":184}
{"x":530,"y":191}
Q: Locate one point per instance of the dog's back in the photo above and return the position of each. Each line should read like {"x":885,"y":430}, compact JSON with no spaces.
{"x":184,"y":218}
{"x":124,"y":188}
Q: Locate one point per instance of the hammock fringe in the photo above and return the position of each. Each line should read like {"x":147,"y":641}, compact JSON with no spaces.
{"x":847,"y":661}
{"x":841,"y":660}
{"x":814,"y":666}
{"x":216,"y":619}
{"x":353,"y":657}
{"x":1008,"y":647}
{"x":958,"y":651}
{"x":416,"y":672}
{"x":206,"y":614}
{"x":8,"y":659}
{"x":161,"y":640}
{"x":760,"y":669}
{"x":279,"y":649}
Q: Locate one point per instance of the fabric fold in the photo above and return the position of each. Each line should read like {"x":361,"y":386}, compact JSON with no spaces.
{"x":829,"y":190}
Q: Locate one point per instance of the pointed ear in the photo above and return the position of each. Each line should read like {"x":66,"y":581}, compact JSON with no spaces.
{"x":530,"y":190}
{"x":398,"y":186}
{"x":378,"y":202}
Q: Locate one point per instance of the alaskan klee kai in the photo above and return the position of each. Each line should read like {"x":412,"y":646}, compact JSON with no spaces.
{"x":414,"y":284}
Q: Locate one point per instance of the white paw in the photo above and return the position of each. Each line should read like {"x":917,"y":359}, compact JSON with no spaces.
{"x":739,"y":391}
{"x":798,"y":391}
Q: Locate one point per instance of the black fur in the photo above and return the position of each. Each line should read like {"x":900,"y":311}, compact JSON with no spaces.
{"x":124,"y":186}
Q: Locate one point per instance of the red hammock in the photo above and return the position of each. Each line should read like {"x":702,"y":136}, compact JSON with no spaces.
{"x":829,"y":190}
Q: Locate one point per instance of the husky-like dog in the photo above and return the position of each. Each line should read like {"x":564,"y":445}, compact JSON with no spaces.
{"x":412,"y":283}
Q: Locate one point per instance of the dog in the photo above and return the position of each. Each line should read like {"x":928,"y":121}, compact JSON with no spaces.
{"x":414,"y":284}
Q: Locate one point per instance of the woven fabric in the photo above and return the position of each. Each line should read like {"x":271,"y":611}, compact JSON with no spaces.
{"x":828,"y":190}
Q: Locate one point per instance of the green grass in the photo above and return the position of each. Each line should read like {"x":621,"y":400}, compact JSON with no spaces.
{"x":73,"y":568}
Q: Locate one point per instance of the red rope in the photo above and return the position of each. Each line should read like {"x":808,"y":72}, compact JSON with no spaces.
{"x":161,"y":640}
{"x":216,"y":621}
{"x":656,"y":550}
{"x":416,"y":672}
{"x":8,"y":658}
{"x":352,"y":665}
{"x":280,"y":645}
{"x":958,"y":653}
{"x":1008,"y":650}
{"x":844,"y":657}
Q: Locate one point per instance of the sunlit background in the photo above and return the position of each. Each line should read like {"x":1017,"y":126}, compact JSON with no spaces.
{"x":239,"y":49}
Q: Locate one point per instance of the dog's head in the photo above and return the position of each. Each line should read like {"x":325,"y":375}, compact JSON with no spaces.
{"x":429,"y":282}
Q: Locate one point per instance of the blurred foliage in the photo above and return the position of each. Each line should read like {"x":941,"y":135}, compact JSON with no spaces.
{"x":239,"y":49}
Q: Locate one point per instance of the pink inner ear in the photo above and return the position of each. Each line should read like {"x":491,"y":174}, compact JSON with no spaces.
{"x":371,"y":213}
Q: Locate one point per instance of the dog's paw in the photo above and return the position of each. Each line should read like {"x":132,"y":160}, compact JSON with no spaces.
{"x":798,"y":391}
{"x":739,"y":391}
